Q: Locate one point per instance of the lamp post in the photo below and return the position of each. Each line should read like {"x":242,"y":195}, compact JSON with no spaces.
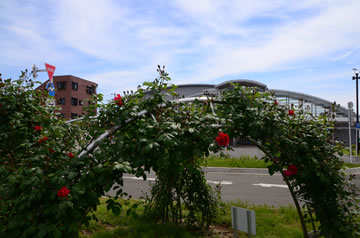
{"x":356,"y":77}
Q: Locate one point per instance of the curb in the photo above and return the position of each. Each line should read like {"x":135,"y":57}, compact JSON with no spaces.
{"x":236,"y":170}
{"x":260,"y":170}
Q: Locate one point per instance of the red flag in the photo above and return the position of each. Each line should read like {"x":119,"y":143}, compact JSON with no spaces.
{"x":50,"y":70}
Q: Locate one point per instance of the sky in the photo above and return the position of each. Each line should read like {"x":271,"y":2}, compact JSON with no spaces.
{"x":307,"y":46}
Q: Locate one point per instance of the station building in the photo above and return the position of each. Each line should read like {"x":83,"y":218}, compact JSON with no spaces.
{"x":312,"y":104}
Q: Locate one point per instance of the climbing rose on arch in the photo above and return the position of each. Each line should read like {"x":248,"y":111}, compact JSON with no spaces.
{"x":118,"y":100}
{"x":43,"y":139}
{"x":63,"y":192}
{"x":37,"y":128}
{"x":222,"y":139}
{"x":291,"y":170}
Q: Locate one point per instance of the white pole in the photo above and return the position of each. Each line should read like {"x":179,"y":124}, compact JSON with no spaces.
{"x":357,"y":131}
{"x":350,"y":145}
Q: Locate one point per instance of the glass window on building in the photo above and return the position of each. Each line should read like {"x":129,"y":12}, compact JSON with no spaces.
{"x":61,"y":101}
{"x":75,"y":86}
{"x":61,"y":85}
{"x":90,"y":89}
{"x":74,"y":101}
{"x":74,"y":115}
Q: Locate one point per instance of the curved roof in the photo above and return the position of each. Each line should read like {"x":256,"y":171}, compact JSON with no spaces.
{"x":244,"y":82}
{"x":195,"y":85}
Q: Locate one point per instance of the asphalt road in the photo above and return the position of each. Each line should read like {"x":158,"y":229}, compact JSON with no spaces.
{"x":255,"y":186}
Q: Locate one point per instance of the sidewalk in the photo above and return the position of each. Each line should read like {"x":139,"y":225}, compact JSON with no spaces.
{"x":355,"y":160}
{"x":252,"y":151}
{"x":258,"y":170}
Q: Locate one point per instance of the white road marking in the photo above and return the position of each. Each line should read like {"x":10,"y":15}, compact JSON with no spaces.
{"x":139,"y":178}
{"x":220,"y":182}
{"x":268,"y":185}
{"x":153,"y":179}
{"x":240,"y":173}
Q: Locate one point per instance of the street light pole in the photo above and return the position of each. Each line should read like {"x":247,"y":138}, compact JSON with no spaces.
{"x":356,"y":77}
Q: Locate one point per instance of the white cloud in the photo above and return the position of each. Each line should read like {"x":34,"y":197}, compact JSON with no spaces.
{"x":119,"y":43}
{"x":311,"y":38}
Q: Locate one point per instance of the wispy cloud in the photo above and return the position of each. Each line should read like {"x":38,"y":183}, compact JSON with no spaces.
{"x":118,"y":44}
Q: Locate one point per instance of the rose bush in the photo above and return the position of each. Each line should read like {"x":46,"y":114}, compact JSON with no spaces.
{"x":171,"y":139}
{"x":53,"y":173}
{"x":36,"y":173}
{"x":303,"y":144}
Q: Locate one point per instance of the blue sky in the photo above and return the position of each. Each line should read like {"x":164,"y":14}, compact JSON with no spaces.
{"x":309,"y":46}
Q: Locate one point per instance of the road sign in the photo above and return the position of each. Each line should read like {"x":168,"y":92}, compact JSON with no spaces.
{"x":357,"y":125}
{"x":51,"y":88}
{"x":50,"y":102}
{"x":50,"y":70}
{"x":350,"y":105}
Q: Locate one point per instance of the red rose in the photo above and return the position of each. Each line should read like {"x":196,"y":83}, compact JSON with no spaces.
{"x":51,"y":150}
{"x":43,"y":139}
{"x":71,"y":155}
{"x":276,"y":103}
{"x":37,"y":128}
{"x":118,"y":100}
{"x":291,"y":113}
{"x":291,"y":170}
{"x":222,"y":139}
{"x":63,"y":192}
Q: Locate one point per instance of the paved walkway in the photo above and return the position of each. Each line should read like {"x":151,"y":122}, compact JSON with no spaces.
{"x":245,"y":150}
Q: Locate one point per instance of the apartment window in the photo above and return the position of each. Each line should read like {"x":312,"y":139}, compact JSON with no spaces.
{"x":61,"y":85}
{"x":61,"y":101}
{"x":74,"y":115}
{"x":90,"y":89}
{"x":74,"y":101}
{"x":75,"y":86}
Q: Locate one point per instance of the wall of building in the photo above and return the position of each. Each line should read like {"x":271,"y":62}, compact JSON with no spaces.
{"x":71,"y":94}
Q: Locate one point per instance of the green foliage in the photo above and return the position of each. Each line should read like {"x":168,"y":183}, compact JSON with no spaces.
{"x":303,"y":141}
{"x":147,"y":132}
{"x":33,"y":169}
{"x":170,"y":140}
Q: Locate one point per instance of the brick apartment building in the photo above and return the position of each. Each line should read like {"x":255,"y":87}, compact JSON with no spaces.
{"x":72,"y":94}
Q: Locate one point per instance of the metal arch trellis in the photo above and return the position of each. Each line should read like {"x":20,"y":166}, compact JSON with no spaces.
{"x":297,"y":197}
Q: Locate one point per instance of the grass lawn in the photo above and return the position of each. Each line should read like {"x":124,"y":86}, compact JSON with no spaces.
{"x":242,"y":162}
{"x":350,"y":165}
{"x":247,"y":162}
{"x":270,"y":222}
